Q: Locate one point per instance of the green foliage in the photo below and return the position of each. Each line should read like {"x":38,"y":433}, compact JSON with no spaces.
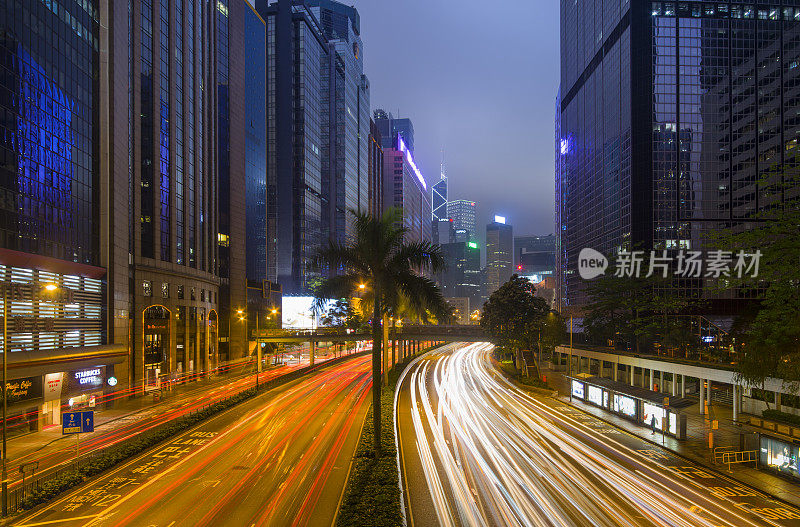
{"x":390,"y":271}
{"x":771,"y":332}
{"x":513,"y":316}
{"x":637,"y":312}
{"x":781,"y":417}
{"x":342,"y":314}
{"x":372,"y":496}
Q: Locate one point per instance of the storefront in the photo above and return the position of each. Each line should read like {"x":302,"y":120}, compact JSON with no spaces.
{"x":780,"y":456}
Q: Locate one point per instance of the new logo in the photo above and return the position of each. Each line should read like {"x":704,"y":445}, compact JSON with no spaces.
{"x":591,"y":263}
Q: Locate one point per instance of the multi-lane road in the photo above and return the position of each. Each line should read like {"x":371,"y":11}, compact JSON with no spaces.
{"x":281,"y":458}
{"x":476,"y":450}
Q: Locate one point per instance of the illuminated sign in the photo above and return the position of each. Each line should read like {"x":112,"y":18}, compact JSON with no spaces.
{"x":499,"y":219}
{"x":112,"y":381}
{"x":625,"y":405}
{"x":410,"y":160}
{"x":652,"y":411}
{"x":88,"y":376}
{"x":298,"y":312}
{"x":594,"y":395}
{"x":564,"y":145}
{"x":673,"y":423}
{"x":472,"y":245}
{"x":780,"y":456}
{"x":577,"y":389}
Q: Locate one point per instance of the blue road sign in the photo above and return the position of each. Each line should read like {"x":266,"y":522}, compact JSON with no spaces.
{"x":71,"y":423}
{"x":77,"y":422}
{"x":87,"y":421}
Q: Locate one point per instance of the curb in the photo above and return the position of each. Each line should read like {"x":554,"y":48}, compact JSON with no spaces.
{"x":704,"y":464}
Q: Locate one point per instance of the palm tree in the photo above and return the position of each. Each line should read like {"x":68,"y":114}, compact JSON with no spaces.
{"x":378,"y":261}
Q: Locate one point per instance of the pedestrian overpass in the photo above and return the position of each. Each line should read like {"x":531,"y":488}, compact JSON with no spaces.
{"x":406,"y":332}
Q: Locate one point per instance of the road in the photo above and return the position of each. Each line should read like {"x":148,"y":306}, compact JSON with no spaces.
{"x":52,"y":450}
{"x":476,"y":450}
{"x":281,"y":458}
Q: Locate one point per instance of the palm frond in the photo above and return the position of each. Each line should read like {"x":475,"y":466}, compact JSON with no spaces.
{"x":418,"y":255}
{"x":340,"y":286}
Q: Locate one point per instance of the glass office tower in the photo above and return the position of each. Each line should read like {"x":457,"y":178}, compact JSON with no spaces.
{"x":668,"y":116}
{"x":256,"y":145}
{"x":345,"y":119}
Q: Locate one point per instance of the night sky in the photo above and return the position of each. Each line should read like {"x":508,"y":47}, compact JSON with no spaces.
{"x":478,"y":79}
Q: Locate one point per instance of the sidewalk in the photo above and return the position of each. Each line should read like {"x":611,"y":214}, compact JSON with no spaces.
{"x":695,"y":447}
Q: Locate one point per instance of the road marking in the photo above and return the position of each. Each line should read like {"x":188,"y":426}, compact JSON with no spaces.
{"x":59,"y":521}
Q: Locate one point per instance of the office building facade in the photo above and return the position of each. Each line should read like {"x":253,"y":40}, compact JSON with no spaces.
{"x":439,"y":199}
{"x":462,"y":275}
{"x":499,"y":254}
{"x":535,"y":256}
{"x":345,"y":119}
{"x":375,"y":171}
{"x":463,"y":213}
{"x":389,"y":127}
{"x":668,"y":116}
{"x":404,"y":187}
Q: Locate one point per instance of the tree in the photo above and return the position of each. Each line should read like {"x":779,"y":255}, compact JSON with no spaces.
{"x":342,"y":315}
{"x":636,"y":311}
{"x":388,"y":268}
{"x":513,"y":316}
{"x":771,"y":330}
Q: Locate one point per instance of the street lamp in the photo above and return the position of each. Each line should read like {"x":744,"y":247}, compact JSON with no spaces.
{"x":49,"y":288}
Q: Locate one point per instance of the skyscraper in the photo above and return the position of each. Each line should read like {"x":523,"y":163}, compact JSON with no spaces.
{"x":375,"y":172}
{"x":439,"y":197}
{"x":535,"y":256}
{"x":463,"y":213}
{"x":317,"y":130}
{"x":461,"y":276}
{"x":345,"y":119}
{"x":389,"y":127}
{"x":256,"y":145}
{"x":668,"y":116}
{"x":499,"y":254}
{"x":296,"y":54}
{"x":404,"y":187}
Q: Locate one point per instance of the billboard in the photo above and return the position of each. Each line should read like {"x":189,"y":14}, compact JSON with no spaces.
{"x":297,"y":312}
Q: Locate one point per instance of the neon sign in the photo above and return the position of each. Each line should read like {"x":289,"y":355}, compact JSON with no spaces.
{"x":410,"y":160}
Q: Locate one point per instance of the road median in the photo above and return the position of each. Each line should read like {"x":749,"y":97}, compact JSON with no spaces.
{"x":372,"y":494}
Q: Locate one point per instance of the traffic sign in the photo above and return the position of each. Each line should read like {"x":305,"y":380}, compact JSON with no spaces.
{"x":87,"y":421}
{"x":77,"y":422}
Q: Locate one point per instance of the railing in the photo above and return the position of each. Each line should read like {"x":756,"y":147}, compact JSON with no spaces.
{"x":728,"y":456}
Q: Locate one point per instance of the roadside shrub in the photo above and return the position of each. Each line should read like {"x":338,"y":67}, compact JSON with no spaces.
{"x":782,"y":417}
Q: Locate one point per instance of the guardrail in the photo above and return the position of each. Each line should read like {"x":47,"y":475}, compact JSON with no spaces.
{"x":728,"y":456}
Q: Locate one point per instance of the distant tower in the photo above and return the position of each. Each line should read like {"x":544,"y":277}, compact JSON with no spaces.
{"x":439,"y":196}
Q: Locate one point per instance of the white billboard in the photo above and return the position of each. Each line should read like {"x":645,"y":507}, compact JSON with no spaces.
{"x":297,"y":312}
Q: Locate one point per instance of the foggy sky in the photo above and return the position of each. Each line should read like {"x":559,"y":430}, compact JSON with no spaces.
{"x":478,"y":79}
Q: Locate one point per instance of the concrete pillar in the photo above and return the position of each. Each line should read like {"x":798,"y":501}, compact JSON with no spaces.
{"x":708,"y":392}
{"x":683,"y":385}
{"x":616,"y":370}
{"x":631,"y":371}
{"x":778,"y":401}
{"x":736,"y":401}
{"x":674,"y":384}
{"x":652,"y":373}
{"x":702,"y":396}
{"x":312,"y":348}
